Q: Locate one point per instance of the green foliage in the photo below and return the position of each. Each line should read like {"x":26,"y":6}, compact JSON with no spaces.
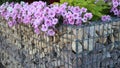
{"x":98,"y":9}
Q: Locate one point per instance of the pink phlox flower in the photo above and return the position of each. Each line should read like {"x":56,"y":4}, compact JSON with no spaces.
{"x":51,"y":13}
{"x":88,"y":15}
{"x":65,"y":21}
{"x":10,"y":23}
{"x":54,"y":21}
{"x":84,"y":19}
{"x":115,"y":4}
{"x":76,"y":15}
{"x":27,"y":20}
{"x":37,"y":30}
{"x":50,"y":32}
{"x":83,"y":9}
{"x":44,"y":28}
{"x":71,"y":21}
{"x":78,"y":21}
{"x":48,"y":22}
{"x":105,"y":18}
{"x":76,"y":9}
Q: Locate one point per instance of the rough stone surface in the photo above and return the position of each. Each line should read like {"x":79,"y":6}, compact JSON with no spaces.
{"x":98,"y":47}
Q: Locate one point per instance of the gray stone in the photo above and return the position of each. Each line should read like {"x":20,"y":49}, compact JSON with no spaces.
{"x":79,"y":46}
{"x":56,"y":63}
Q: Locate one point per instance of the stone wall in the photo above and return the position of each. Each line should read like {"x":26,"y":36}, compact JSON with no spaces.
{"x":22,"y":48}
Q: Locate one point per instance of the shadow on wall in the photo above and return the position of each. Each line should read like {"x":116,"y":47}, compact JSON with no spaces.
{"x":1,"y":65}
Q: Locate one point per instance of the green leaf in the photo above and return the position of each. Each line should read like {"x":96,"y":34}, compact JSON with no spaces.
{"x":97,"y":9}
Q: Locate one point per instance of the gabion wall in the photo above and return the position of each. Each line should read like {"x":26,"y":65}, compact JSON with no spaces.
{"x":96,"y":45}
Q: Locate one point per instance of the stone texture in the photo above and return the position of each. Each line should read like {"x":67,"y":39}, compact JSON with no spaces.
{"x":74,"y":45}
{"x":25,"y":49}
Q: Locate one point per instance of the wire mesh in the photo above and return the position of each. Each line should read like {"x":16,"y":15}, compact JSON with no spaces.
{"x":96,"y":45}
{"x":88,"y":46}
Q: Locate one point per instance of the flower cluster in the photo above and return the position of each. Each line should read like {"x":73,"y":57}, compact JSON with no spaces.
{"x":115,"y":7}
{"x":43,"y":17}
{"x":105,"y":18}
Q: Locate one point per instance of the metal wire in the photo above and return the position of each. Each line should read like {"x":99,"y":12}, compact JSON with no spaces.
{"x":99,"y":57}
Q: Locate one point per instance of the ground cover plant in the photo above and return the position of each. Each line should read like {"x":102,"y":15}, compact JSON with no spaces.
{"x":45,"y":18}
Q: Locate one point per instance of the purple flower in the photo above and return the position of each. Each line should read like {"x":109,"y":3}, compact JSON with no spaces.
{"x":65,"y":21}
{"x":54,"y":21}
{"x":37,"y":22}
{"x":26,"y":20}
{"x":48,"y":22}
{"x":113,"y":9}
{"x":69,"y":16}
{"x":12,"y":4}
{"x":78,"y":22}
{"x":119,"y":3}
{"x":9,"y":9}
{"x":105,"y":18}
{"x":7,"y":16}
{"x":57,"y":10}
{"x":17,"y":6}
{"x":63,"y":13}
{"x":47,"y":9}
{"x":108,"y":17}
{"x":115,"y":4}
{"x":75,"y":15}
{"x":83,"y":9}
{"x":77,"y":9}
{"x":118,"y":13}
{"x":84,"y":19}
{"x":10,"y":23}
{"x":51,"y":14}
{"x":71,"y":21}
{"x":37,"y":31}
{"x":44,"y":28}
{"x":115,"y":12}
{"x":114,"y":0}
{"x":43,"y":17}
{"x":88,"y":15}
{"x":50,"y":32}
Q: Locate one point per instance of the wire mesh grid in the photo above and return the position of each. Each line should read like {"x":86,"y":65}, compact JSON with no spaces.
{"x":96,"y":45}
{"x":88,"y":46}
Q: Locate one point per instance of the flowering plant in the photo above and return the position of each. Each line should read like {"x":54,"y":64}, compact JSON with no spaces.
{"x":97,"y":7}
{"x":43,"y":17}
{"x":115,"y":7}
